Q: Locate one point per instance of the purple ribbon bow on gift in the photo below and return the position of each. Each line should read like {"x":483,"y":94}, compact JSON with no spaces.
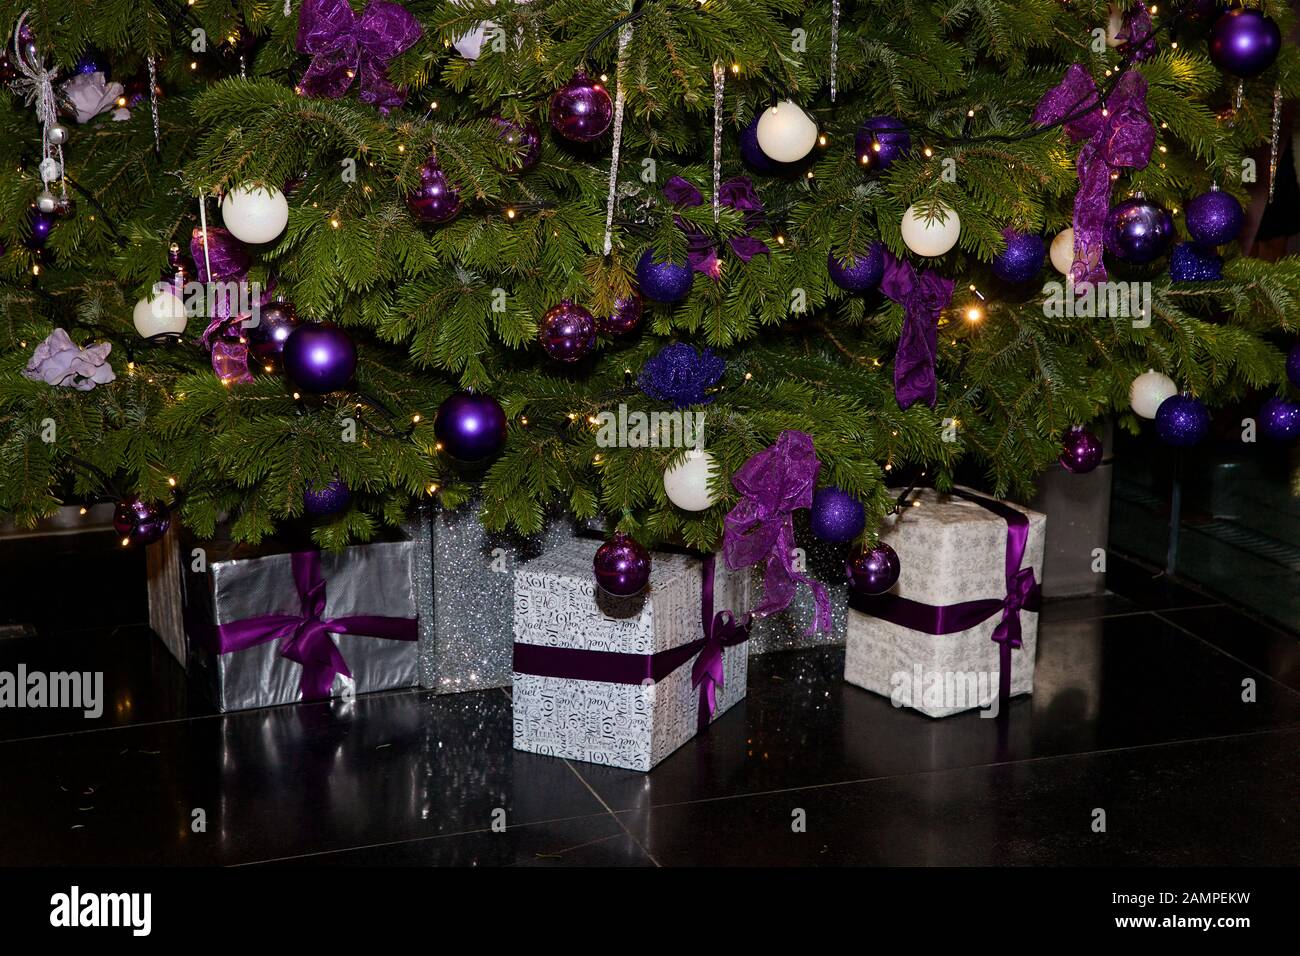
{"x":345,"y":46}
{"x":738,"y":194}
{"x":922,"y":297}
{"x":773,"y":483}
{"x":305,"y":637}
{"x":1118,"y":136}
{"x":222,"y":337}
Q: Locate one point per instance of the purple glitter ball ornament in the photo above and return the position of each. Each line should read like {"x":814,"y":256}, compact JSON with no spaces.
{"x":329,"y":500}
{"x":1214,"y":218}
{"x":1182,"y":421}
{"x":567,"y":332}
{"x":525,"y":140}
{"x":662,"y":281}
{"x":880,"y":141}
{"x":581,"y":110}
{"x":1244,"y":42}
{"x":436,"y":200}
{"x":1138,"y":231}
{"x":41,"y":225}
{"x":626,"y":316}
{"x":1022,"y":259}
{"x":276,"y":321}
{"x":140,"y":522}
{"x":1293,"y":365}
{"x":319,"y":358}
{"x":1190,"y":263}
{"x":858,"y":274}
{"x":622,"y":566}
{"x":874,"y":571}
{"x":1279,"y":419}
{"x":470,"y":426}
{"x":1080,"y":451}
{"x":836,"y":515}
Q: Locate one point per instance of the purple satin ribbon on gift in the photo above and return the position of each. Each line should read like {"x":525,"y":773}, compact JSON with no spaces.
{"x":345,"y":46}
{"x":738,"y":194}
{"x":1122,"y":138}
{"x":1023,"y":593}
{"x":305,"y":637}
{"x":922,"y":297}
{"x":721,"y":630}
{"x":773,"y":483}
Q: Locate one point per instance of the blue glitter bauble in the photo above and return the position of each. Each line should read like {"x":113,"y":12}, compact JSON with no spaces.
{"x":858,"y":274}
{"x":1138,"y":231}
{"x":662,"y":281}
{"x":1293,"y":365}
{"x":1279,"y":420}
{"x":1214,"y":218}
{"x":1191,"y":263}
{"x":1182,"y":421}
{"x":880,"y":141}
{"x":681,"y":375}
{"x":329,"y":500}
{"x":836,"y":515}
{"x":1022,"y":259}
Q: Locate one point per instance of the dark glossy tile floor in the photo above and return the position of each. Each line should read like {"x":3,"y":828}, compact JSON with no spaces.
{"x":1138,"y":712}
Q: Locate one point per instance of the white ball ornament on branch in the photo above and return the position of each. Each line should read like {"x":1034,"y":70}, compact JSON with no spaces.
{"x":1148,"y":392}
{"x":254,"y":214}
{"x":931,"y":235}
{"x":1062,"y":251}
{"x":687,"y":484}
{"x":161,"y":313}
{"x":786,"y":134}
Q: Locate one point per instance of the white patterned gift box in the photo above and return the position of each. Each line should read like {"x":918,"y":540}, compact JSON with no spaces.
{"x":938,"y":642}
{"x":638,"y":700}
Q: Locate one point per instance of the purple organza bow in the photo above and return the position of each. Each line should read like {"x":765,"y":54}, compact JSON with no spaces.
{"x":739,"y":194}
{"x":922,"y":297}
{"x":223,"y":337}
{"x":773,"y":483}
{"x":345,"y":46}
{"x":1119,"y":136}
{"x":305,"y":638}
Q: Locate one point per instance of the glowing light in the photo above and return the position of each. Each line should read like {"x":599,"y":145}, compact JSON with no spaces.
{"x":974,"y":313}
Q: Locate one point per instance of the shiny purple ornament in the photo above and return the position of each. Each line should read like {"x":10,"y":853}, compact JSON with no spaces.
{"x":276,"y":321}
{"x":1293,"y":365}
{"x":1192,"y":263}
{"x":880,"y":141}
{"x":470,"y":426}
{"x":662,"y":281}
{"x":568,"y":332}
{"x":140,"y":522}
{"x":525,"y":140}
{"x":1182,"y":421}
{"x":41,"y":225}
{"x":874,"y":571}
{"x":436,"y":199}
{"x":1138,"y":231}
{"x":1279,"y":419}
{"x":329,"y":500}
{"x":1244,"y":42}
{"x":626,"y":316}
{"x":581,"y":110}
{"x":1080,"y":451}
{"x":622,"y":566}
{"x":1214,"y":218}
{"x":319,"y":358}
{"x":858,"y":274}
{"x":1022,"y":259}
{"x":836,"y":515}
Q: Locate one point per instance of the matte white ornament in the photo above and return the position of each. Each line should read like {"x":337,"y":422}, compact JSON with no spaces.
{"x":1114,"y":26}
{"x":1148,"y":391}
{"x":786,"y":134}
{"x":255,"y":215}
{"x":931,"y":237}
{"x":164,"y":311}
{"x":1062,"y":251}
{"x":687,"y":485}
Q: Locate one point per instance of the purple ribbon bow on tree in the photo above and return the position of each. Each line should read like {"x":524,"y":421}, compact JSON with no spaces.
{"x":223,"y":338}
{"x":1118,"y":136}
{"x":345,"y":46}
{"x":305,"y":638}
{"x":701,"y":253}
{"x":922,"y":297}
{"x":773,"y":483}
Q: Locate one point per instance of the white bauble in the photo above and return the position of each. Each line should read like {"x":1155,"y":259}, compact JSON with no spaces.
{"x":1114,"y":26}
{"x":687,"y":484}
{"x":931,"y":237}
{"x":255,"y":215}
{"x":1148,"y":391}
{"x":786,"y":134}
{"x":1062,"y":252}
{"x":164,"y":311}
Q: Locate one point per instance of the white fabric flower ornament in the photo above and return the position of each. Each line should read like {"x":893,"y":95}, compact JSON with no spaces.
{"x":90,"y":94}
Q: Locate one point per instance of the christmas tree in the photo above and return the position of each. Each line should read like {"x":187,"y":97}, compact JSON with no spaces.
{"x":532,"y":223}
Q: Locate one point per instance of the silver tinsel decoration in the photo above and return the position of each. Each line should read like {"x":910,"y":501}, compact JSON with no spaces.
{"x":719,"y":81}
{"x":624,"y":37}
{"x":37,"y":87}
{"x":153,"y":102}
{"x":835,"y":45}
{"x":1274,"y":139}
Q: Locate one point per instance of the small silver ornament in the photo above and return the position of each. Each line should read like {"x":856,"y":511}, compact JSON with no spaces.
{"x":46,"y":201}
{"x":50,"y":170}
{"x":57,"y":134}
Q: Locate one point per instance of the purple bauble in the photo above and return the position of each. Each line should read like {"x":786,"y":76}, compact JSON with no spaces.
{"x":858,"y":274}
{"x":1080,"y":451}
{"x":41,"y":223}
{"x":140,"y":522}
{"x":1191,"y":263}
{"x":581,"y":110}
{"x":525,"y":140}
{"x":276,"y":321}
{"x":1022,"y":259}
{"x":1293,"y":365}
{"x":1214,"y":218}
{"x":567,"y":332}
{"x":1182,"y":421}
{"x":90,"y":62}
{"x":1279,"y":420}
{"x":626,"y":316}
{"x":836,"y":515}
{"x":470,"y":426}
{"x":329,"y":500}
{"x":436,"y":199}
{"x":662,"y":281}
{"x":622,"y":566}
{"x":1244,"y":42}
{"x":874,"y":571}
{"x":880,"y":141}
{"x":1138,"y":231}
{"x":319,"y":358}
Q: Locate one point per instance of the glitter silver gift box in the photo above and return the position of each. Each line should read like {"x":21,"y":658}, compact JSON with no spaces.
{"x":632,"y":725}
{"x":785,"y":630}
{"x":951,"y":551}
